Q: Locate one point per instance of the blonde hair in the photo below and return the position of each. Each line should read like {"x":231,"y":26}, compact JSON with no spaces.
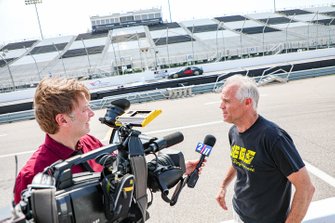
{"x":56,"y":96}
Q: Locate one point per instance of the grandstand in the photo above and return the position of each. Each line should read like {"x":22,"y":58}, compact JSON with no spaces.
{"x":140,"y":40}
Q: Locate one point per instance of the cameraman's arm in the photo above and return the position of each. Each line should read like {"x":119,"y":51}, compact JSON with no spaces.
{"x":191,"y":164}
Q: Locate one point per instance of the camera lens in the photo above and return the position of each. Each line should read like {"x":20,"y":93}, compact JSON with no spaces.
{"x":165,"y":160}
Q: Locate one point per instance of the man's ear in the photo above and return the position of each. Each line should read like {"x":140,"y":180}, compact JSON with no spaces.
{"x":61,"y":119}
{"x":248,"y":101}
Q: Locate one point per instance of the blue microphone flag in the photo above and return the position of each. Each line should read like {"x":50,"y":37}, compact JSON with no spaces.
{"x":203,"y":149}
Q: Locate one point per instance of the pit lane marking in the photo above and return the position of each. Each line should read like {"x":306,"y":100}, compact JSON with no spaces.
{"x":320,"y":174}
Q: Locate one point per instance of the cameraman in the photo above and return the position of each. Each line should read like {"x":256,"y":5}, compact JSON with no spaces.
{"x":63,"y":112}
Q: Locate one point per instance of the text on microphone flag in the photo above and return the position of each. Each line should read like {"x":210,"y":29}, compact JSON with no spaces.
{"x":203,"y":149}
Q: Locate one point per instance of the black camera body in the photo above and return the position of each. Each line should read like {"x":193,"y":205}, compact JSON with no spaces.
{"x":119,"y":192}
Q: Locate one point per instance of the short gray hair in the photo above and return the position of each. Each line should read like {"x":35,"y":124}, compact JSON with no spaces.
{"x":247,"y":88}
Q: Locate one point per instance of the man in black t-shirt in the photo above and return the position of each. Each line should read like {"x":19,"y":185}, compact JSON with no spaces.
{"x":265,"y":161}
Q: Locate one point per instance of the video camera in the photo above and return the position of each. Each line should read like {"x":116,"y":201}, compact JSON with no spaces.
{"x":119,"y":192}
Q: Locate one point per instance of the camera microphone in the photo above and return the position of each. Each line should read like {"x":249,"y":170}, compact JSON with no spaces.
{"x":117,"y":108}
{"x":204,"y":149}
{"x":122,"y":103}
{"x":166,"y":141}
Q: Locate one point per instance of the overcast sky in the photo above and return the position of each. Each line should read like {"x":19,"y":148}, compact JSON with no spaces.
{"x":70,"y":17}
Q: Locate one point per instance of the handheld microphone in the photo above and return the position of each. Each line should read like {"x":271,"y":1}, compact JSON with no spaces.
{"x":204,"y":149}
{"x":165,"y":142}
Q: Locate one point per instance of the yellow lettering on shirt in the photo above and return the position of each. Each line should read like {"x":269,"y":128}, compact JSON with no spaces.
{"x":242,"y":154}
{"x":249,"y":156}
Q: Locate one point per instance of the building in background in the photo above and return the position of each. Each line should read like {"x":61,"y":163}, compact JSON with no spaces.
{"x":118,"y":20}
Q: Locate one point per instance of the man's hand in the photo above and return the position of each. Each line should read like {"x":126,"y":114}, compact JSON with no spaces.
{"x":221,"y":198}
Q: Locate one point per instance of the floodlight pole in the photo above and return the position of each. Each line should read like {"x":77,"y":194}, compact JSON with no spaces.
{"x":192,"y":43}
{"x":170,"y":11}
{"x":29,"y":2}
{"x":39,"y":23}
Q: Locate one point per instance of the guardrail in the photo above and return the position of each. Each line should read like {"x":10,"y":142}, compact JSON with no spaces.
{"x":137,"y":97}
{"x":169,"y":93}
{"x":17,"y":116}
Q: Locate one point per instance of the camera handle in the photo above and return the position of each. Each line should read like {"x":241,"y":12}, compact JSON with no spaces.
{"x":176,"y":193}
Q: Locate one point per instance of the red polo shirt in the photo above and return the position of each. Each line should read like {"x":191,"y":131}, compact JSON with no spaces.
{"x":48,"y":153}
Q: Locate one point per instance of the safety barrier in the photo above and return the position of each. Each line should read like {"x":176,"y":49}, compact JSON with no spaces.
{"x":137,"y":97}
{"x":180,"y":92}
{"x":17,"y":116}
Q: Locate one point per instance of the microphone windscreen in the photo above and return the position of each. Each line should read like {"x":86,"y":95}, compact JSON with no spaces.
{"x":210,"y":140}
{"x":173,"y":138}
{"x":122,"y":103}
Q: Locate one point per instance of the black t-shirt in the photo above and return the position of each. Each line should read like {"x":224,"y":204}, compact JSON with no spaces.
{"x":264,"y":155}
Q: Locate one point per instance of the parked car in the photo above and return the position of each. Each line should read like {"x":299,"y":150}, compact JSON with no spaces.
{"x":186,"y":72}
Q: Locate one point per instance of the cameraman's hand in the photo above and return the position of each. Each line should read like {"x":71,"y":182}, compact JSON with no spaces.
{"x":191,"y":164}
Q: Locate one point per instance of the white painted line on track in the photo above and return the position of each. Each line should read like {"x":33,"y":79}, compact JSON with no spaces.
{"x":212,"y":102}
{"x":320,"y":174}
{"x":186,"y":127}
{"x":13,"y":154}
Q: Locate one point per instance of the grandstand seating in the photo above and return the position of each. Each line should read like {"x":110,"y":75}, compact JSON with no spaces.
{"x":32,"y":58}
{"x":90,"y":36}
{"x":48,"y":48}
{"x":163,"y":26}
{"x":19,"y":45}
{"x":79,"y":57}
{"x":167,"y":44}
